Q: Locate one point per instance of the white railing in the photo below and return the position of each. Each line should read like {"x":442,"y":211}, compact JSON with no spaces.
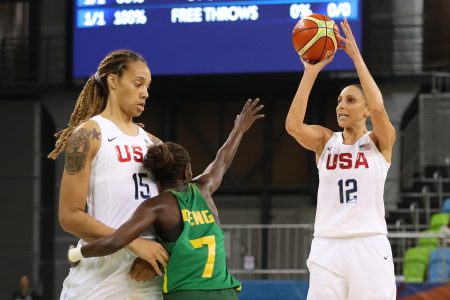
{"x":280,"y":251}
{"x":268,"y":251}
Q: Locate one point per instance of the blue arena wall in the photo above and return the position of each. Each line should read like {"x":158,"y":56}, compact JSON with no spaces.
{"x":297,"y":290}
{"x":273,"y":289}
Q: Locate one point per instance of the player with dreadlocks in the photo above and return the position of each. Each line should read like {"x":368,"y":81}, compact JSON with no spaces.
{"x":104,"y":180}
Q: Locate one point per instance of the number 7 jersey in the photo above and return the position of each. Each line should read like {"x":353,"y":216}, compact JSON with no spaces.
{"x":351,"y":185}
{"x":198,"y":257}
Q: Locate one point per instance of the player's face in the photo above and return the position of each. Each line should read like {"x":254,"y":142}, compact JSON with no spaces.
{"x":351,"y":107}
{"x":132,"y":88}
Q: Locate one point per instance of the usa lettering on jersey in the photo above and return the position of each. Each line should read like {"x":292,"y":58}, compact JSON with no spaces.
{"x":125,"y":153}
{"x":345,"y":161}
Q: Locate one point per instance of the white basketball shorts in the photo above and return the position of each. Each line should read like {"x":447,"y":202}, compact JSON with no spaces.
{"x":107,"y":277}
{"x":359,"y":268}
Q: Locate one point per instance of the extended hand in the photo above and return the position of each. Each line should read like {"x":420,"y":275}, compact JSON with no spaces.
{"x":151,"y":251}
{"x":248,"y":115}
{"x":141,"y":270}
{"x":316,"y":68}
{"x":348,"y":43}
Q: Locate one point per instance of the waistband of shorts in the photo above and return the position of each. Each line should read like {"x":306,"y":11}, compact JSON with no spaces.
{"x":353,"y":238}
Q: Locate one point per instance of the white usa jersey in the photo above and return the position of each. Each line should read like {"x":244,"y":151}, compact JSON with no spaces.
{"x":119,"y":182}
{"x":351,"y":184}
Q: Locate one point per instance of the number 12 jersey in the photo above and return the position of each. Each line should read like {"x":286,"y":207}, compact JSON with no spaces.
{"x":351,"y":185}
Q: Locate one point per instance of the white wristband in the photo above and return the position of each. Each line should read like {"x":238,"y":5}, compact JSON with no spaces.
{"x":75,"y":254}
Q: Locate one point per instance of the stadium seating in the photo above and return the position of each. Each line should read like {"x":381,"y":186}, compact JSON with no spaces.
{"x":439,"y":220}
{"x":415,"y":263}
{"x":429,"y":242}
{"x":439,"y":265}
{"x":446,"y":206}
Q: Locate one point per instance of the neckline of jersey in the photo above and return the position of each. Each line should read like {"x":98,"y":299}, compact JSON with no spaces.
{"x":357,"y":142}
{"x":120,"y":130}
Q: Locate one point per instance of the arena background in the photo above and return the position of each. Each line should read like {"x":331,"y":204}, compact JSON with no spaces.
{"x":406,"y":45}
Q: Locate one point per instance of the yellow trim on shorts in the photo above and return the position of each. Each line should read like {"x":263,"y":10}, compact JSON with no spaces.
{"x":165,"y":280}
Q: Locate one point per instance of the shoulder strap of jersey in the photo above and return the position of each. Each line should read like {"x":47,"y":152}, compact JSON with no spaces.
{"x":332,"y":143}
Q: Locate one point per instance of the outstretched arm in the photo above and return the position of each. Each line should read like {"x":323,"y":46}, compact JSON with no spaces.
{"x":383,"y":132}
{"x":145,"y":215}
{"x":312,"y":137}
{"x":211,"y":178}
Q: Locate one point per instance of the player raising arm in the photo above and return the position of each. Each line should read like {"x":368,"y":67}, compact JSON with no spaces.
{"x":350,"y":256}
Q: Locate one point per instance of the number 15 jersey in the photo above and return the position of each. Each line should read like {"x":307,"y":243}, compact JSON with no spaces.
{"x":351,"y":185}
{"x":119,"y":182}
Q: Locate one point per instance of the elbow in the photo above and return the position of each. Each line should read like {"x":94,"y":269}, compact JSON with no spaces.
{"x":64,"y":222}
{"x":67,"y":223}
{"x":289,"y":127}
{"x":292,"y":129}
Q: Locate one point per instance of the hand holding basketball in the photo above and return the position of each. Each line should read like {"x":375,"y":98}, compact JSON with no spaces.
{"x":316,"y":68}
{"x":349,"y":42}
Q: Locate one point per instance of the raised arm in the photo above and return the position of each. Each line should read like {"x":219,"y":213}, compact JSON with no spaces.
{"x":211,"y":178}
{"x":383,"y":132}
{"x":148,"y":213}
{"x":312,"y":137}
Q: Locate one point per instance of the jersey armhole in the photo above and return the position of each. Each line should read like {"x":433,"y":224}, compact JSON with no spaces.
{"x":327,"y":144}
{"x":377,"y":152}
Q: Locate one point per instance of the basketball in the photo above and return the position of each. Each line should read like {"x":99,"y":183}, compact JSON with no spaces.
{"x":314,"y":37}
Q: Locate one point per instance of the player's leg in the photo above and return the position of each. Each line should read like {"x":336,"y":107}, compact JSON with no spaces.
{"x":326,"y":280}
{"x":370,"y":269}
{"x":325,"y":284}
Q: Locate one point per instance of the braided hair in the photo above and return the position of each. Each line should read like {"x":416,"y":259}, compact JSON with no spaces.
{"x":94,"y":96}
{"x":167,"y":161}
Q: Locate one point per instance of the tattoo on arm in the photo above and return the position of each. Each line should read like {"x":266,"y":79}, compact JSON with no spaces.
{"x":95,"y":134}
{"x":77,"y":149}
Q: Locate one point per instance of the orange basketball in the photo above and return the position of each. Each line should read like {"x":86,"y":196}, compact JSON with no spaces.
{"x":314,"y":37}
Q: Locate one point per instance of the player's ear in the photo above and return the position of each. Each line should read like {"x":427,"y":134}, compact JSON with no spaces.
{"x":187,"y":173}
{"x":112,"y":80}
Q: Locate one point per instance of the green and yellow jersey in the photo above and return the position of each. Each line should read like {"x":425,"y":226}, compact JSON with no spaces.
{"x":198,"y":258}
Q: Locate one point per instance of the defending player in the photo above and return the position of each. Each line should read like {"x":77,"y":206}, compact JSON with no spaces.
{"x":350,"y":256}
{"x":186,"y":219}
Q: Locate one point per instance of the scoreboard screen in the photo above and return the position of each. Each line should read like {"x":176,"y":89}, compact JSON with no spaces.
{"x":183,"y":37}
